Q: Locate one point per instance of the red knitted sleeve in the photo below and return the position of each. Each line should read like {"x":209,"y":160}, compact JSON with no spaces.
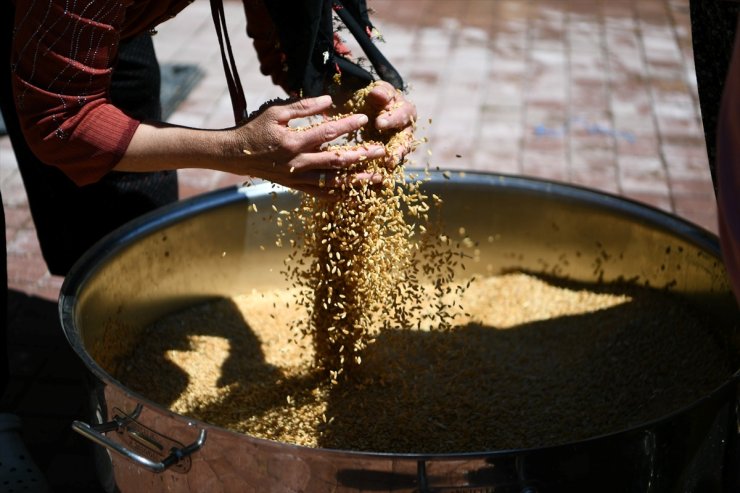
{"x":62,"y":57}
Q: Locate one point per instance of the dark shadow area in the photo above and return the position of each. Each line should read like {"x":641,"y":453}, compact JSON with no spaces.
{"x":245,"y":363}
{"x":536,"y":384}
{"x":251,"y":386}
{"x":48,"y":389}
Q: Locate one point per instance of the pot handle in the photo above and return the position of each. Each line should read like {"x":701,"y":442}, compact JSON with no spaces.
{"x":178,"y":455}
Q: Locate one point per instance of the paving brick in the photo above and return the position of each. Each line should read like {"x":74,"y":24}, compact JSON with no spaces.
{"x":706,"y":219}
{"x":685,"y":155}
{"x":480,"y":14}
{"x":223,"y":180}
{"x":25,"y":270}
{"x":642,"y":176}
{"x":549,"y":116}
{"x":547,"y":165}
{"x":497,"y":160}
{"x":24,"y":242}
{"x":17,"y":218}
{"x":48,"y":287}
{"x":14,"y":195}
{"x":8,"y":163}
{"x":603,"y":178}
{"x":596,"y":159}
{"x":620,"y":14}
{"x":698,"y":208}
{"x":688,"y":183}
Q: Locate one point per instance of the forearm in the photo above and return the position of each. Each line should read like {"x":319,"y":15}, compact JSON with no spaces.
{"x":156,"y":147}
{"x":265,"y":146}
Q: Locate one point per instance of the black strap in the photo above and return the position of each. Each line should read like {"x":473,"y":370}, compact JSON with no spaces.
{"x":306,"y":31}
{"x":238,"y":99}
{"x":351,"y":18}
{"x":304,"y":43}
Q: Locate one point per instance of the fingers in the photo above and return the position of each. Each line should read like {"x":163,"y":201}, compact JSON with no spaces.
{"x":381,"y":94}
{"x":324,"y":181}
{"x":338,"y":158}
{"x":297,"y":157}
{"x":394,"y":110}
{"x":321,"y":173}
{"x":328,"y":169}
{"x":328,"y":185}
{"x":399,"y":114}
{"x":329,"y":130}
{"x":402,"y":144}
{"x":307,"y":107}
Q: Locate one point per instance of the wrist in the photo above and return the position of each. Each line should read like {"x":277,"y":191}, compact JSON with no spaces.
{"x":228,"y":152}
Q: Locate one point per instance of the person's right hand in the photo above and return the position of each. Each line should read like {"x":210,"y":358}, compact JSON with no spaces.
{"x":296,"y":157}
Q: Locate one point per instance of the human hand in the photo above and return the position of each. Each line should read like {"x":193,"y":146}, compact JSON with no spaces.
{"x":393,"y":112}
{"x":296,"y":157}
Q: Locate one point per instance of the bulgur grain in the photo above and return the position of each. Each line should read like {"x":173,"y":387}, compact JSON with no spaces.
{"x":534,"y":362}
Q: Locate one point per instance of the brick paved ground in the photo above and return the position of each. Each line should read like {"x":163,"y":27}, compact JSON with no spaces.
{"x":596,"y":93}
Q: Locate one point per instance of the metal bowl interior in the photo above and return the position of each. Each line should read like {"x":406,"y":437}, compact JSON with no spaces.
{"x":223,"y":244}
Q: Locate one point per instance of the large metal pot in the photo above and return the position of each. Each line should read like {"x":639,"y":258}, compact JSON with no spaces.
{"x":212,"y":246}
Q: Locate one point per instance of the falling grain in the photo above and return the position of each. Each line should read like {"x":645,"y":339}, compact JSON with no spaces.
{"x":364,"y":248}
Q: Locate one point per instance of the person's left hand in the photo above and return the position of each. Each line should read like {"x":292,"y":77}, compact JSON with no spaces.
{"x":394,"y":112}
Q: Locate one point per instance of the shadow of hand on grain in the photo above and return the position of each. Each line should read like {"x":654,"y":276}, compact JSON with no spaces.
{"x":212,"y":336}
{"x":227,"y":378}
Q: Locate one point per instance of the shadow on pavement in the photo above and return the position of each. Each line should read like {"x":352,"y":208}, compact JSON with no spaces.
{"x":47,"y":390}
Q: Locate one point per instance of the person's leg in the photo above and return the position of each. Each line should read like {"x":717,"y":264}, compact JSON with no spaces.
{"x":712,"y":33}
{"x":6,"y":13}
{"x":4,"y":368}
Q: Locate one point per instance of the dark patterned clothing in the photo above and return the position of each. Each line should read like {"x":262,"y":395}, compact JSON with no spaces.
{"x":313,"y":56}
{"x":728,"y":170}
{"x":713,"y":26}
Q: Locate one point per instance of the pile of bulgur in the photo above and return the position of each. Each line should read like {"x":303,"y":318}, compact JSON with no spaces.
{"x":535,"y":362}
